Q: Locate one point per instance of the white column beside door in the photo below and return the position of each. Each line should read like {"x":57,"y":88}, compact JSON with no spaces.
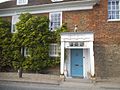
{"x":62,"y":58}
{"x":92,"y":60}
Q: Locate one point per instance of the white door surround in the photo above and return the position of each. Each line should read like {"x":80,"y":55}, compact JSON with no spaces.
{"x":77,"y":40}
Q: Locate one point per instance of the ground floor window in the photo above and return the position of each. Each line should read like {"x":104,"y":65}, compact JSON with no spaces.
{"x":54,"y":50}
{"x":25,"y":51}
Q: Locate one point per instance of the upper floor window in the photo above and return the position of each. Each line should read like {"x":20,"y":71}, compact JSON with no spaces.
{"x":55,"y":20}
{"x":114,"y":9}
{"x":56,"y":0}
{"x":15,"y":19}
{"x":22,"y":2}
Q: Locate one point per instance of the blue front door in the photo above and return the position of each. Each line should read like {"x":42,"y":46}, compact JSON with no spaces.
{"x":77,"y":62}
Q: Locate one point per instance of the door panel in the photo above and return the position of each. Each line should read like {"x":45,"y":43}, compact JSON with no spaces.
{"x":77,"y":62}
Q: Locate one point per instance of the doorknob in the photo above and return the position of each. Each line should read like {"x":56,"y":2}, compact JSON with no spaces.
{"x":76,"y":64}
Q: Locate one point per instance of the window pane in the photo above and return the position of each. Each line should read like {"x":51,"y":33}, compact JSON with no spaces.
{"x":20,"y":2}
{"x":54,"y":50}
{"x":113,"y":9}
{"x":113,"y":14}
{"x":109,"y":7}
{"x":113,"y":3}
{"x":55,"y":20}
{"x":14,"y":28}
{"x":117,"y":5}
{"x":117,"y":16}
{"x":27,"y":51}
{"x":15,"y":19}
{"x":109,"y":15}
{"x":117,"y":12}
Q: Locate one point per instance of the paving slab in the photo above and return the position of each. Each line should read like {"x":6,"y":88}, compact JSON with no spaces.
{"x":30,"y":78}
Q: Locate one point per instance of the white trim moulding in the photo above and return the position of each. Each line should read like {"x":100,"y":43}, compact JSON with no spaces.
{"x":46,"y":8}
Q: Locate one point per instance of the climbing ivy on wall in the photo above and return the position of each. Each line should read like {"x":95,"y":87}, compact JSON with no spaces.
{"x":32,"y":32}
{"x":56,"y":38}
{"x":5,"y":49}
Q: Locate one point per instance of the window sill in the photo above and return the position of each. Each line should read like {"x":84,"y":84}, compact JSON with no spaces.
{"x":113,"y":20}
{"x":52,"y":30}
{"x":56,"y":0}
{"x":13,"y":32}
{"x":54,"y":55}
{"x":22,"y":4}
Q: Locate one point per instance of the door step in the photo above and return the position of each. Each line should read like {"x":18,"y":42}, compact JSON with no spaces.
{"x":77,"y":80}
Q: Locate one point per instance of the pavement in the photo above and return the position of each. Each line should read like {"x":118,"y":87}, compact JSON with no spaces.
{"x":98,"y":84}
{"x":30,"y":78}
{"x":109,"y":83}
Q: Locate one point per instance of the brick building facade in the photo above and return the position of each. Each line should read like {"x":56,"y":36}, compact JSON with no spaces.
{"x":89,"y":16}
{"x":107,"y":37}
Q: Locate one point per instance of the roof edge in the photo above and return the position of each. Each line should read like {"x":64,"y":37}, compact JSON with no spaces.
{"x":62,"y":6}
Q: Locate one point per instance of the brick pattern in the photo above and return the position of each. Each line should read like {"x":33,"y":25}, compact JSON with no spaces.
{"x":80,"y":18}
{"x":107,"y":37}
{"x":107,"y":59}
{"x":96,"y":21}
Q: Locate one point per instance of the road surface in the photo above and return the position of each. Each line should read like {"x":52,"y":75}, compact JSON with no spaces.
{"x":31,"y":86}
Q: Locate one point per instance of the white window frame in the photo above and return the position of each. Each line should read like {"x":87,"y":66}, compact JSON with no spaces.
{"x":56,"y":0}
{"x":113,"y":8}
{"x":54,"y":52}
{"x":15,"y":19}
{"x":26,"y":53}
{"x":22,"y":2}
{"x":50,"y":18}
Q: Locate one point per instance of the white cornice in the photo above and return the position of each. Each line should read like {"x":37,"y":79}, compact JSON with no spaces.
{"x":63,"y":6}
{"x":2,"y":1}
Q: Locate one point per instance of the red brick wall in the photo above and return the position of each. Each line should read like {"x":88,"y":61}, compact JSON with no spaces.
{"x":80,"y":18}
{"x":107,"y":32}
{"x":107,"y":37}
{"x":9,"y":18}
{"x":94,"y":20}
{"x":42,"y":14}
